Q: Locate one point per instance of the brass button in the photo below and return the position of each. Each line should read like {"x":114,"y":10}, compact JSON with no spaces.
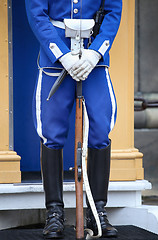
{"x":75,"y":10}
{"x":75,"y":1}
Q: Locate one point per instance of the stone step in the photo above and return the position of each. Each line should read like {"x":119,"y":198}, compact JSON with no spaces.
{"x":23,"y":204}
{"x":31,"y":196}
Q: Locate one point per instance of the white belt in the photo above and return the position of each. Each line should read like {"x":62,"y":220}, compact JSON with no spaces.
{"x":58,"y":24}
{"x":76,"y":30}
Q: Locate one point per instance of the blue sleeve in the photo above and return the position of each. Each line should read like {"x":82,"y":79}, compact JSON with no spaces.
{"x":45,"y":32}
{"x":109,"y":27}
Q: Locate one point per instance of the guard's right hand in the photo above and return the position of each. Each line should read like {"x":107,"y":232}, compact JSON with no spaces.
{"x":86,"y":64}
{"x":68,"y":61}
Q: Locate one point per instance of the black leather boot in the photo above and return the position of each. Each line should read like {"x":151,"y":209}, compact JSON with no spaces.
{"x":52,"y":172}
{"x":98,"y":168}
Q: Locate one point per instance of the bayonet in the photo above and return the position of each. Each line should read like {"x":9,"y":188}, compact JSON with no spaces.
{"x":57,"y":83}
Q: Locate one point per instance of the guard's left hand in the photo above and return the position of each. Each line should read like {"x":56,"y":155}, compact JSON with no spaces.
{"x":85,"y":65}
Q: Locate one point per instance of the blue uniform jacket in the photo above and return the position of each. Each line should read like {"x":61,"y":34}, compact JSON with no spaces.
{"x":39,"y":13}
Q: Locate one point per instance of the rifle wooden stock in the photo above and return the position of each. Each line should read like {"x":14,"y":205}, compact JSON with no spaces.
{"x":78,"y":180}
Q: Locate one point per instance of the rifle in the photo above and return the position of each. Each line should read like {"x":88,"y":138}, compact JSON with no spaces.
{"x":78,"y":153}
{"x":98,"y":17}
{"x":78,"y":163}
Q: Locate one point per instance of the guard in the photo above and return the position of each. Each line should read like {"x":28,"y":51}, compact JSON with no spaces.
{"x":68,"y":39}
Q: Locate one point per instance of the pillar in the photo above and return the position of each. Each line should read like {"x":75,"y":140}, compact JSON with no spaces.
{"x":126,"y":164}
{"x":9,"y":160}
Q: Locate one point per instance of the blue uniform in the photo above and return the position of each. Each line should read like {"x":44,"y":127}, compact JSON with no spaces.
{"x":51,"y":117}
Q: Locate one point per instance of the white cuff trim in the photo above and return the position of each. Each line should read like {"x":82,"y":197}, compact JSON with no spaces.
{"x":55,"y":50}
{"x":104,"y":47}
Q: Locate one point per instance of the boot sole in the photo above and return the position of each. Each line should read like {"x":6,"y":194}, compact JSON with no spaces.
{"x":54,"y":236}
{"x":109,"y":235}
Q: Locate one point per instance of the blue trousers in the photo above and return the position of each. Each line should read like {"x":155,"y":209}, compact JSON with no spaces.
{"x":51,"y":118}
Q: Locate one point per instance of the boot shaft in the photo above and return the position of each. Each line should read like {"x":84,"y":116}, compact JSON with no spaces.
{"x":98,"y":169}
{"x":52,"y":173}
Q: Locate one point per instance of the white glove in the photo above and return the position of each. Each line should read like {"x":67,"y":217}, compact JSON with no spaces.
{"x":82,"y":68}
{"x":68,"y":61}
